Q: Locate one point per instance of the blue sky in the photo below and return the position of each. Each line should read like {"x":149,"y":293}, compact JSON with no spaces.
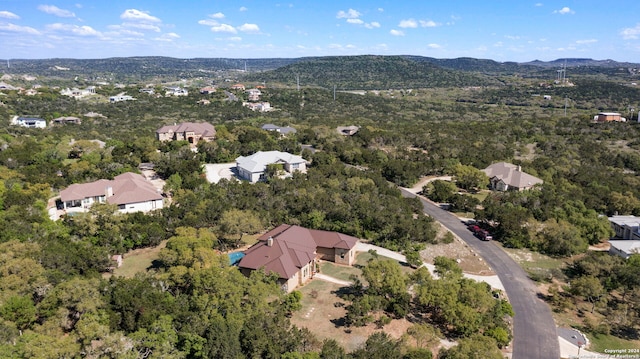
{"x":491,"y":29}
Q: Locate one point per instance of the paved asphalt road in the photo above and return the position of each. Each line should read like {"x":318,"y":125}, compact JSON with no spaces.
{"x":534,"y":329}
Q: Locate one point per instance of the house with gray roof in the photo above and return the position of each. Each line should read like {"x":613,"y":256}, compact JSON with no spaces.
{"x":291,"y":252}
{"x":626,"y":227}
{"x":505,"y":176}
{"x":29,"y":122}
{"x":252,"y":168}
{"x":281,"y":130}
{"x":191,"y":132}
{"x":131,"y":192}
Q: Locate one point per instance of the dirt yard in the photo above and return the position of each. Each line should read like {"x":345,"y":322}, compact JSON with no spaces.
{"x":469,"y":261}
{"x":322,"y":312}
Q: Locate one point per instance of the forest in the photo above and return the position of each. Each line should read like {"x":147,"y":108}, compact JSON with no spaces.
{"x":56,"y":302}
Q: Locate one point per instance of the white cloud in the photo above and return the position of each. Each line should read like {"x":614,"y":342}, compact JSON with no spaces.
{"x":224,"y":28}
{"x":372,"y":25}
{"x":235,"y":38}
{"x":434,"y":46}
{"x":54,"y":10}
{"x":565,"y":10}
{"x":170,"y":36}
{"x":631,"y":33}
{"x":8,"y":15}
{"x":511,"y":37}
{"x":142,"y":26}
{"x":74,"y":29}
{"x":208,"y":22}
{"x":428,"y":23}
{"x":137,"y":15}
{"x":17,"y":28}
{"x":588,"y":41}
{"x":349,"y":14}
{"x":538,"y":4}
{"x":355,"y":21}
{"x":249,"y":28}
{"x":217,"y":15}
{"x":242,"y":9}
{"x":498,"y":44}
{"x":380,"y":9}
{"x":395,"y":32}
{"x":409,"y":23}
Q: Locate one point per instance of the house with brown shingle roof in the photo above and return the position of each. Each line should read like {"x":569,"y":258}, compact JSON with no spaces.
{"x":505,"y":176}
{"x":187,"y":131}
{"x":129,"y":191}
{"x":291,"y":252}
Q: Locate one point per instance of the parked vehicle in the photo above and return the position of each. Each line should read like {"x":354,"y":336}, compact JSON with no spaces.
{"x":483,"y":234}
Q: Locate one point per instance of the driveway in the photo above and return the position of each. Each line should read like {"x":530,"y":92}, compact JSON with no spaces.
{"x":217,"y":171}
{"x":534,"y":329}
{"x":492,"y":280}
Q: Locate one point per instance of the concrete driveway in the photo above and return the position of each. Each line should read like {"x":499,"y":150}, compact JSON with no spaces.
{"x":217,"y":171}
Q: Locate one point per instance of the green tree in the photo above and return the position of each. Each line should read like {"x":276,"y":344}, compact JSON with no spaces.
{"x":468,"y":177}
{"x":476,"y":347}
{"x":588,"y":287}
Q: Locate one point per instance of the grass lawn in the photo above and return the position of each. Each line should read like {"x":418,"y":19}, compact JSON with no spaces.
{"x":338,"y":271}
{"x":139,"y":260}
{"x":538,"y":266}
{"x":600,"y":343}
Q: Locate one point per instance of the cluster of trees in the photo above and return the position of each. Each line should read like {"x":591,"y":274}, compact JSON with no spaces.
{"x":451,"y":305}
{"x":605,"y":289}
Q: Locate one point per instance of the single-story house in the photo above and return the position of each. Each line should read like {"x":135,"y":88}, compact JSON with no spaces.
{"x":348,"y":130}
{"x":66,"y":119}
{"x":509,"y":177}
{"x":254,"y":94}
{"x":129,"y":191}
{"x":187,"y":131}
{"x":626,"y":227}
{"x":252,"y":168}
{"x":121,"y":97}
{"x":30,"y":122}
{"x":258,"y":106}
{"x":609,"y":117}
{"x":291,"y":252}
{"x":624,"y":248}
{"x":207,"y":90}
{"x":281,"y":130}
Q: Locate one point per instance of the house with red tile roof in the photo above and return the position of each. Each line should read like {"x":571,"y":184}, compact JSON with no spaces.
{"x":187,"y":131}
{"x":291,"y":252}
{"x":131,"y":192}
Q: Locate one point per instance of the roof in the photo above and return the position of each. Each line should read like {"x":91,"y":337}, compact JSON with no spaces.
{"x":127,"y":188}
{"x":627,"y":246}
{"x":201,"y":128}
{"x":292,"y":248}
{"x":609,"y":114}
{"x":258,"y":161}
{"x":511,"y":175}
{"x":631,"y":221}
{"x":282,"y":130}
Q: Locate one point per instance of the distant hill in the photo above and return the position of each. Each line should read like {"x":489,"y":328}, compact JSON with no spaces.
{"x":370,"y":72}
{"x":344,"y":72}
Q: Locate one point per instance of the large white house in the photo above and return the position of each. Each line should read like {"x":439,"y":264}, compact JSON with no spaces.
{"x":130,"y":191}
{"x":30,"y":122}
{"x":252,"y":168}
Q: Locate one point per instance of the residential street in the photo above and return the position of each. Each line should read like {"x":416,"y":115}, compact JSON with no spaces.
{"x":534,"y":331}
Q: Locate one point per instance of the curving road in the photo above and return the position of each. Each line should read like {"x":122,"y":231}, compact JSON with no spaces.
{"x":534,"y":329}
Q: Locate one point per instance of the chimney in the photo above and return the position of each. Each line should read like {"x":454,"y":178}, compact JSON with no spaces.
{"x":519,"y":169}
{"x":270,"y":241}
{"x":108,"y":191}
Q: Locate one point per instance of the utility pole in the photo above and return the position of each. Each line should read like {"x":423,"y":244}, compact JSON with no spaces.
{"x":298,"y":82}
{"x":334,"y":94}
{"x":566,"y":100}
